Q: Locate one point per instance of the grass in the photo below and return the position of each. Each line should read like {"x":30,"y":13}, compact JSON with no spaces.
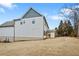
{"x":60,"y":46}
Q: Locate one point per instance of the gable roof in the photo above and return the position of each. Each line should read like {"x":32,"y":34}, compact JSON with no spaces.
{"x":31,"y":13}
{"x":7,"y":24}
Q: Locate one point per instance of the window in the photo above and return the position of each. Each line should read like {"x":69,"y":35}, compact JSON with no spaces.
{"x":33,"y":22}
{"x":21,"y":23}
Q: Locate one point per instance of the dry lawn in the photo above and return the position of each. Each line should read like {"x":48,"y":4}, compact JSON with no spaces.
{"x":65,"y":46}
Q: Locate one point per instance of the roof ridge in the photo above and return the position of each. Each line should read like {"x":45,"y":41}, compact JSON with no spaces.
{"x":29,"y":10}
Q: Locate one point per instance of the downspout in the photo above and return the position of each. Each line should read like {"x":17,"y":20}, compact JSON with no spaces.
{"x":14,"y":31}
{"x":43,"y":28}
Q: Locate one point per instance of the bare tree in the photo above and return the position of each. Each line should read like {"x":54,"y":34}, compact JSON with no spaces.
{"x":73,"y":16}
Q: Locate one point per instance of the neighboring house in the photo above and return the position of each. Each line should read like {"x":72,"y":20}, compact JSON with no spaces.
{"x":51,"y":33}
{"x":31,"y":26}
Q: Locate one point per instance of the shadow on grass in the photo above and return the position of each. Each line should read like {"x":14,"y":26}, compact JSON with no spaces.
{"x":23,"y":40}
{"x":30,"y":40}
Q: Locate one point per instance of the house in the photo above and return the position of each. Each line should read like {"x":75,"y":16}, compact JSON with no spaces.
{"x":51,"y":33}
{"x":32,"y":25}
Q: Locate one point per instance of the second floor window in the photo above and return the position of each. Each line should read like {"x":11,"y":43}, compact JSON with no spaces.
{"x":33,"y":22}
{"x":21,"y":23}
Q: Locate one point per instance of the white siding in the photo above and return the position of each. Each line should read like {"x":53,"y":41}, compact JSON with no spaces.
{"x":28,"y":29}
{"x":7,"y":31}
